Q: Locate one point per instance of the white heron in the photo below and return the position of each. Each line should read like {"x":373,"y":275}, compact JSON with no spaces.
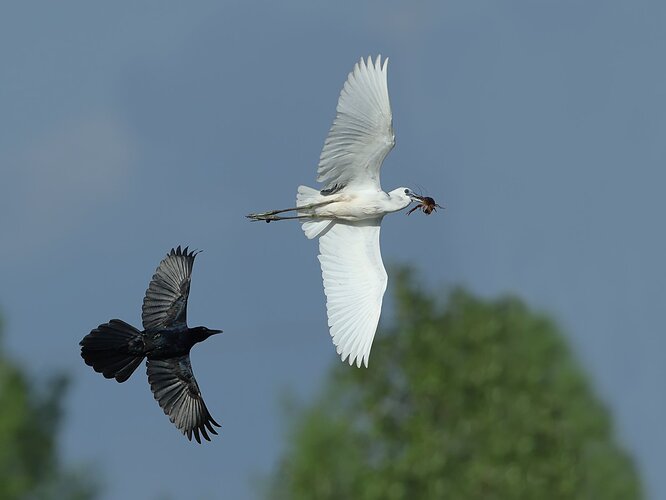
{"x":347,"y":212}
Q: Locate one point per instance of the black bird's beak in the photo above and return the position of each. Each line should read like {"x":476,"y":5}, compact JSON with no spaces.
{"x":214,"y":332}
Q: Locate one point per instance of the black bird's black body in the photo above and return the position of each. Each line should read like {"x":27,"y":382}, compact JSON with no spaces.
{"x":172,"y":343}
{"x":116,"y":348}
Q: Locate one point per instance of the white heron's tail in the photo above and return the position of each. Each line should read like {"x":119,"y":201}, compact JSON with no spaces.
{"x":312,"y":228}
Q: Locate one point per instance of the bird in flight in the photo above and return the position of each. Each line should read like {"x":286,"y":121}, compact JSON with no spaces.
{"x":115,"y":349}
{"x":346,"y":213}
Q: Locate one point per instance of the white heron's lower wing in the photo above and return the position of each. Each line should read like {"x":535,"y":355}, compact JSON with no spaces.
{"x":354,"y":282}
{"x":362,"y":133}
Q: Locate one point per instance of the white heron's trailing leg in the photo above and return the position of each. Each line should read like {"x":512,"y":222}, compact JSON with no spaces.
{"x":305,"y":206}
{"x":270,"y":216}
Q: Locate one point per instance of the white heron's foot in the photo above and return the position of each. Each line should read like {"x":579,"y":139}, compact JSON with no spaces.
{"x":272,"y":215}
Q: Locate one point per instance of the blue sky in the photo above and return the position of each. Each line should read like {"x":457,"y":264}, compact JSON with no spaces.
{"x":131,"y":127}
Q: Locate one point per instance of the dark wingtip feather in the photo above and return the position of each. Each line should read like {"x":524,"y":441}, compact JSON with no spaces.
{"x":202,"y":429}
{"x":184,"y":252}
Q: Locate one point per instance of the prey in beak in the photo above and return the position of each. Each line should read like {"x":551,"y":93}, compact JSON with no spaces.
{"x":425,"y":203}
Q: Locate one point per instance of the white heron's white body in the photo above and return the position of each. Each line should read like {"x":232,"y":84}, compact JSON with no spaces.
{"x":347,"y":212}
{"x":351,"y":206}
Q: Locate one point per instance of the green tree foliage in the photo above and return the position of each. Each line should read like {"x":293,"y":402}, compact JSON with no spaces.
{"x":471,"y":399}
{"x":29,"y":423}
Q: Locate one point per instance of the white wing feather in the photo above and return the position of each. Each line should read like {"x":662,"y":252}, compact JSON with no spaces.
{"x":354,"y":282}
{"x":362,"y":133}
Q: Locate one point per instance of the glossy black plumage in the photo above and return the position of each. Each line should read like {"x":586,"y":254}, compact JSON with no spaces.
{"x":115,"y":349}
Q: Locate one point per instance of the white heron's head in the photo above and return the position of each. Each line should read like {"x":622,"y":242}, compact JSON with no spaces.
{"x":403,"y":196}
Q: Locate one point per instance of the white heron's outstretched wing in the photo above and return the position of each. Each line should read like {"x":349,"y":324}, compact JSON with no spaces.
{"x":354,"y":283}
{"x":362,"y":132}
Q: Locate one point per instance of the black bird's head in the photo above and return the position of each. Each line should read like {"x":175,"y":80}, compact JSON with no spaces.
{"x":202,"y":333}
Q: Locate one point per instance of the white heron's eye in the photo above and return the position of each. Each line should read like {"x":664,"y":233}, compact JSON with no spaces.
{"x":406,"y":191}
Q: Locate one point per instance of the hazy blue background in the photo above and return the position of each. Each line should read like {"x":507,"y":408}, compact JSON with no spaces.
{"x":127,"y":128}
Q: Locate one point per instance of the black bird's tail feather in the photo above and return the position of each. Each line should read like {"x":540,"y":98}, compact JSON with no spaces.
{"x":114,"y":349}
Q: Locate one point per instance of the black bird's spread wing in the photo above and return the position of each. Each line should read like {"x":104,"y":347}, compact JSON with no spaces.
{"x":177,"y":392}
{"x":165,"y":303}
